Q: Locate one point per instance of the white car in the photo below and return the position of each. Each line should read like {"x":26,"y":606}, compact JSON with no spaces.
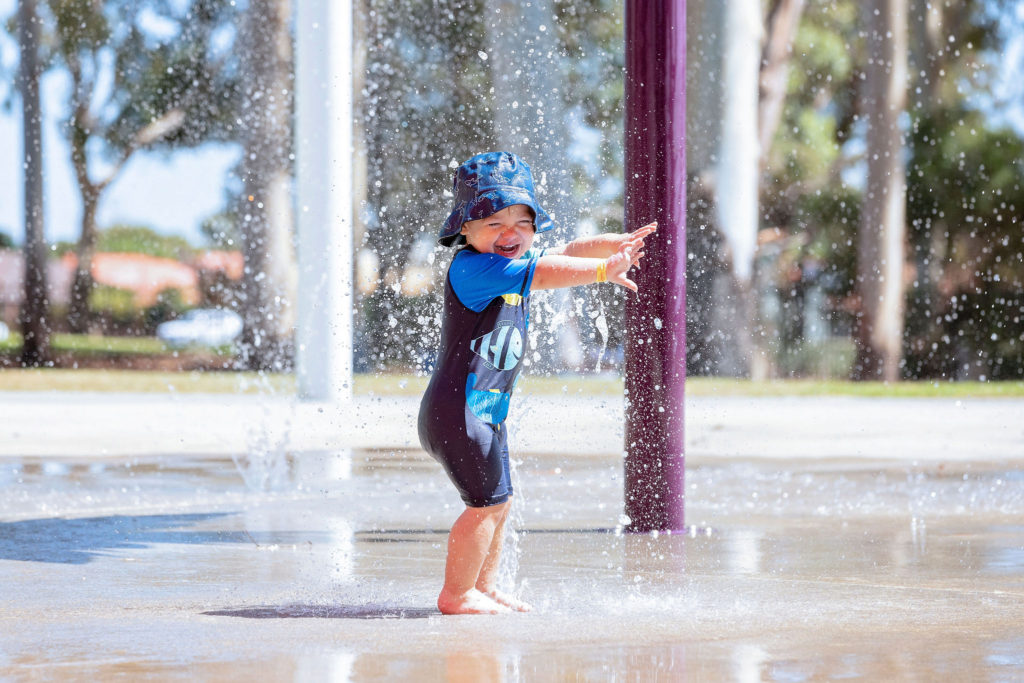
{"x":5,"y":332}
{"x":203,"y":327}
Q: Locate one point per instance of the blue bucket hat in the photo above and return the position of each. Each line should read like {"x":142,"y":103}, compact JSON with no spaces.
{"x":486,"y":184}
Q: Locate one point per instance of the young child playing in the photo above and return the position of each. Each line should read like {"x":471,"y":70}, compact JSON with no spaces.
{"x":483,"y":338}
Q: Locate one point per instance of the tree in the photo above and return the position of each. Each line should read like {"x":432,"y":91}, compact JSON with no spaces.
{"x":962,"y":184}
{"x":966,"y":210}
{"x":34,"y":312}
{"x":781,"y":25}
{"x":142,"y":240}
{"x":132,"y":89}
{"x":734,"y":107}
{"x":881,"y":238}
{"x":269,"y":280}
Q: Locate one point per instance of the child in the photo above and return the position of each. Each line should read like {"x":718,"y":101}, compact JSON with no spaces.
{"x":483,"y":338}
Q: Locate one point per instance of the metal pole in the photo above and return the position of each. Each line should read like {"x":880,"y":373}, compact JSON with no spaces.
{"x":655,"y":159}
{"x":324,"y":199}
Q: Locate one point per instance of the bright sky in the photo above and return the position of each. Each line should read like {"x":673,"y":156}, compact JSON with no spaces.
{"x":169,"y":193}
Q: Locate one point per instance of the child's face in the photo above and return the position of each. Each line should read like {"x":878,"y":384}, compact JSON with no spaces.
{"x":509,"y":232}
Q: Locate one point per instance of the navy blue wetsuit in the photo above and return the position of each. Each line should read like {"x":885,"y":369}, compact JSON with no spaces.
{"x":483,"y":338}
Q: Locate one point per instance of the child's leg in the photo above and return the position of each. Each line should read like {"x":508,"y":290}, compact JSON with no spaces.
{"x":487,"y":581}
{"x":469,"y":544}
{"x":489,"y":571}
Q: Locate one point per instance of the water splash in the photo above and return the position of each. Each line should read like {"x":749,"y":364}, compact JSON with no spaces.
{"x":264,"y":466}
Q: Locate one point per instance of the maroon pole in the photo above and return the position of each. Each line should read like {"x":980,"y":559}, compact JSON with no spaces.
{"x":656,"y":319}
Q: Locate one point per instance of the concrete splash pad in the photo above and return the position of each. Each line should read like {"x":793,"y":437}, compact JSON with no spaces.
{"x":326,"y":565}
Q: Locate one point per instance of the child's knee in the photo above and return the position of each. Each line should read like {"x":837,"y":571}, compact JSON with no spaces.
{"x":495,"y":510}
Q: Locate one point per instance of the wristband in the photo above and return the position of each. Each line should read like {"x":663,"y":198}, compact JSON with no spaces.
{"x":602,"y":271}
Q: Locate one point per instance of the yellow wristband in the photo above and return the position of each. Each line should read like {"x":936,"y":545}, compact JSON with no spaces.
{"x":602,"y":271}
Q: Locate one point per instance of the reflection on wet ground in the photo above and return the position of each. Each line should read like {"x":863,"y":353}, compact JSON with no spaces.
{"x":326,"y":612}
{"x":326,"y":565}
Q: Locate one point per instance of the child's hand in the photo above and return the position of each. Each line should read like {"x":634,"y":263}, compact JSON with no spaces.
{"x":629,"y":254}
{"x":619,"y":263}
{"x":637,"y":237}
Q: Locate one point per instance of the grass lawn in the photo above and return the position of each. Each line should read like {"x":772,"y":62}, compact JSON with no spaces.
{"x":16,"y":379}
{"x":88,"y":344}
{"x":408,"y":385}
{"x":132,"y":381}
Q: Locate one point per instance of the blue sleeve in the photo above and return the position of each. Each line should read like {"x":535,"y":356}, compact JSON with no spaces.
{"x":480,"y":278}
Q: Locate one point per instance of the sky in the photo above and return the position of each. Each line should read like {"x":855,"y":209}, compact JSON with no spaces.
{"x":172,"y":194}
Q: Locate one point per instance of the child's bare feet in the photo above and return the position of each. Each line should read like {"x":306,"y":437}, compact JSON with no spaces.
{"x":471,"y":602}
{"x":508,"y":600}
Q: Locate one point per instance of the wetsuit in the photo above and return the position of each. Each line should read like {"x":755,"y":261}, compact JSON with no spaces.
{"x":483,"y":338}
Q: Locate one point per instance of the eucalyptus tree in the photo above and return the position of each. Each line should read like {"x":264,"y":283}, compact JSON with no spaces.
{"x":964,"y":194}
{"x":881,"y":237}
{"x":956,"y":166}
{"x":269,"y":280}
{"x":738,"y":58}
{"x":142,"y":75}
{"x":34,"y":311}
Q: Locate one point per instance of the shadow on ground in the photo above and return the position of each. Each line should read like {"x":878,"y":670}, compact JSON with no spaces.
{"x":80,"y":540}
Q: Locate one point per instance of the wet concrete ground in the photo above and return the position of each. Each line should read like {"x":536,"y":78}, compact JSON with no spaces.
{"x":325,"y":565}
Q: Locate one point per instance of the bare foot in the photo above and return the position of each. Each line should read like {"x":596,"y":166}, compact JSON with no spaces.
{"x":471,"y":602}
{"x":508,"y":600}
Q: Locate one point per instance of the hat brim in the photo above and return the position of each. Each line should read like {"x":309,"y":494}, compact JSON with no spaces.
{"x":487,"y":204}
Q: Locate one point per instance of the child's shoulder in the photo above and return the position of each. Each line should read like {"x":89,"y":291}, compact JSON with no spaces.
{"x":469,"y":262}
{"x":469,"y":258}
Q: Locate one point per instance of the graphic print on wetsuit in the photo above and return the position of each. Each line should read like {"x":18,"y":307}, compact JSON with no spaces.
{"x":495,"y":361}
{"x":501,"y":348}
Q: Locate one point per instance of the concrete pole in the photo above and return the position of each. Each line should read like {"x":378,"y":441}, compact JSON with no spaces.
{"x":656,"y":319}
{"x":324,"y":149}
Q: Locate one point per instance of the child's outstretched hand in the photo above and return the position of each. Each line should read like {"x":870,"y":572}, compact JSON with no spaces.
{"x":637,"y":237}
{"x":629,"y":254}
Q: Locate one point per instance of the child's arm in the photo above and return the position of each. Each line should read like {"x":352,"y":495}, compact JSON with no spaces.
{"x":604,"y":245}
{"x":588,"y":260}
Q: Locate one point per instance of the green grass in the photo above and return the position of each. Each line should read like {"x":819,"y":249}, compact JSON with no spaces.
{"x":721,"y":386}
{"x":96,"y":345}
{"x":90,"y":344}
{"x":408,"y":385}
{"x":45,"y":379}
{"x":726,"y":386}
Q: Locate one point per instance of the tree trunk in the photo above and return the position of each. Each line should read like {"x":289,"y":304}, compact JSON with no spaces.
{"x":781,"y":26}
{"x":723,"y":159}
{"x":34,"y":313}
{"x":736,"y":194}
{"x":708,"y":351}
{"x":881,"y":238}
{"x":270,"y":277}
{"x":79,"y":125}
{"x":81,"y":286}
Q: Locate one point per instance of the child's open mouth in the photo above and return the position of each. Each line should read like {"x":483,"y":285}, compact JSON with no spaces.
{"x":508,"y":250}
